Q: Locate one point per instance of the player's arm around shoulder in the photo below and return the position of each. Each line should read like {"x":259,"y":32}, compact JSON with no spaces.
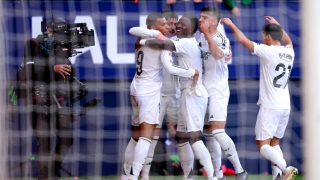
{"x":158,"y":44}
{"x":238,"y":34}
{"x":166,"y":59}
{"x":143,"y":32}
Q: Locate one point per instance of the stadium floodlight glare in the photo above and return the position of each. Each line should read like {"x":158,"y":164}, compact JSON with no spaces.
{"x":311,"y":87}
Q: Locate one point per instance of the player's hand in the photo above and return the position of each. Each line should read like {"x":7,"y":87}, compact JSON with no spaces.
{"x":229,"y":56}
{"x":227,"y":21}
{"x":204,"y":27}
{"x":137,"y":45}
{"x":62,"y":69}
{"x":172,"y":130}
{"x":270,"y":19}
{"x":161,"y":37}
{"x":195,"y":78}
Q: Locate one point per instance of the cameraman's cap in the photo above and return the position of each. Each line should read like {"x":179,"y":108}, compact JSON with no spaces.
{"x":52,"y":21}
{"x":57,"y":24}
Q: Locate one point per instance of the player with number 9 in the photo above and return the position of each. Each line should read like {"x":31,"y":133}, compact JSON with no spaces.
{"x":276,"y":56}
{"x":145,"y":93}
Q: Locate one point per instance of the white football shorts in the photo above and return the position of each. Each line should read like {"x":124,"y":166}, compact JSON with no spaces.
{"x":169,"y":107}
{"x":271,"y":123}
{"x":192,"y":110}
{"x":217,"y":108}
{"x":145,"y":109}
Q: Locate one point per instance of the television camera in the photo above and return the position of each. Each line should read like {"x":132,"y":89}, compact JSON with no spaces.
{"x":60,"y":37}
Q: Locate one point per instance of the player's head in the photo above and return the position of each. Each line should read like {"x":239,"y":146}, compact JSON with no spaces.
{"x":158,"y":22}
{"x":187,"y":25}
{"x":54,"y":24}
{"x":272,"y":32}
{"x":172,"y":18}
{"x":210,"y":16}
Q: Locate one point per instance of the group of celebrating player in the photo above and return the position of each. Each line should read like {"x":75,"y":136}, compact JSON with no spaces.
{"x":187,"y":78}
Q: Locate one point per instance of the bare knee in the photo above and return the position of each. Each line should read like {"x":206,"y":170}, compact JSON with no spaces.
{"x":214,"y":125}
{"x":274,"y":141}
{"x":147,"y":130}
{"x":135,"y":132}
{"x":260,"y":143}
{"x":194,"y":137}
{"x":182,"y":137}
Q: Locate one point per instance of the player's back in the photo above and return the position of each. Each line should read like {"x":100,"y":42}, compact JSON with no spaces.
{"x":148,"y":77}
{"x":275,"y":67}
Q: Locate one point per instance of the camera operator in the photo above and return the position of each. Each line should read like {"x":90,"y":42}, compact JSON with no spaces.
{"x":47,"y":81}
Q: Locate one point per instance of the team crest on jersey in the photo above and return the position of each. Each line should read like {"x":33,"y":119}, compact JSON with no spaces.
{"x":222,"y":45}
{"x":223,"y":42}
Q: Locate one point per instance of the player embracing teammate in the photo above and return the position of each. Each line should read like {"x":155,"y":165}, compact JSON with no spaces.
{"x":145,"y":93}
{"x":206,"y":62}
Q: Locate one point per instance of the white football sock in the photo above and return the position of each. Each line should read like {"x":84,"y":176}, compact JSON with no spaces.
{"x":140,"y":154}
{"x":202,"y":153}
{"x":215,"y":152}
{"x":275,"y":169}
{"x":274,"y":156}
{"x":187,"y":159}
{"x":147,"y":164}
{"x":128,"y":158}
{"x":229,"y":149}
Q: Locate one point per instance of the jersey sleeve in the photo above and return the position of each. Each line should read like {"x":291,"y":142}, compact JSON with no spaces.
{"x":291,"y":49}
{"x":166,"y":59}
{"x":144,"y":32}
{"x":260,"y":50}
{"x":225,"y":47}
{"x":222,"y":42}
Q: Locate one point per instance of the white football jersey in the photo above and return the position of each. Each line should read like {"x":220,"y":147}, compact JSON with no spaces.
{"x":148,"y":77}
{"x":149,"y":63}
{"x":215,"y":71}
{"x":170,"y":84}
{"x":189,"y":56}
{"x":275,"y":67}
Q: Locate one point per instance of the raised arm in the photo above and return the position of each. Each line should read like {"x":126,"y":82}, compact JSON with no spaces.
{"x":158,"y":44}
{"x":146,"y":33}
{"x":286,"y":40}
{"x":216,"y":52}
{"x":238,"y":34}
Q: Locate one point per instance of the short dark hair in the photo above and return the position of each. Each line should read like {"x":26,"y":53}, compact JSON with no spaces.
{"x":152,"y":18}
{"x":194,"y":21}
{"x":274,"y":30}
{"x":213,"y":11}
{"x":169,"y":14}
